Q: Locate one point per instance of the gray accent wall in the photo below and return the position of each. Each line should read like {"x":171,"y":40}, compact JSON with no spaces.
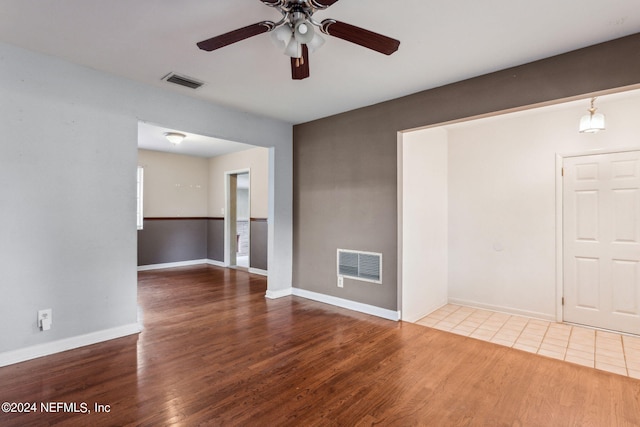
{"x":172,"y":240}
{"x":258,"y":251}
{"x":345,"y":166}
{"x":215,"y":239}
{"x":176,"y":240}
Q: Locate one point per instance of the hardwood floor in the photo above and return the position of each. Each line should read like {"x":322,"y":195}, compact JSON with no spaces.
{"x":214,"y":351}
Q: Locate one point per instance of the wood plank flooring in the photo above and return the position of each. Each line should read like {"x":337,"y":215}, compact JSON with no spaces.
{"x":215,"y":352}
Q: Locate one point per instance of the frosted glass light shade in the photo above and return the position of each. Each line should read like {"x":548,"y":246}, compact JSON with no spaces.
{"x":304,"y":32}
{"x":294,"y":49}
{"x":281,"y":36}
{"x":592,"y":123}
{"x":174,"y":137}
{"x":315,"y":43}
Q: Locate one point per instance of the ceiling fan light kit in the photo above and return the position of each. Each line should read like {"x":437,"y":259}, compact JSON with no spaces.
{"x":295,"y":33}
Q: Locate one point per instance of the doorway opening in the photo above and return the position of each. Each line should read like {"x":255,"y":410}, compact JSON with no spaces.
{"x":237,"y":219}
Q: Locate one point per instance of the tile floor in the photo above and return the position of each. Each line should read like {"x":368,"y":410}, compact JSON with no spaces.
{"x":602,"y":350}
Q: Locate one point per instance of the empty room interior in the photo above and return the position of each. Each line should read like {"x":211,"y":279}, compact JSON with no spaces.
{"x":425,"y":214}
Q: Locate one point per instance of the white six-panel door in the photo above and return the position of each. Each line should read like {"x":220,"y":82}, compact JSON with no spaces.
{"x":601,"y":227}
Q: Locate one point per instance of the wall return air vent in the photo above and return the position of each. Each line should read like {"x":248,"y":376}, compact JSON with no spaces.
{"x":358,"y":265}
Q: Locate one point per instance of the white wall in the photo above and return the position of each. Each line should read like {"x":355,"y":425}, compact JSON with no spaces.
{"x":67,"y":173}
{"x":502,"y":200}
{"x":424,"y":222}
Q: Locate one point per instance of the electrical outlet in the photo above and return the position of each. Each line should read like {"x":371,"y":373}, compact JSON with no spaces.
{"x":340,"y":282}
{"x":45,"y":319}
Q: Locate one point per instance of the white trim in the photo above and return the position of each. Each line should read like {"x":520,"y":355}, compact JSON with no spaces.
{"x":215,"y":263}
{"x":559,"y":239}
{"x":280,"y":293}
{"x":171,"y":264}
{"x":46,"y":349}
{"x":502,"y":309}
{"x":258,"y":271}
{"x":348,"y":304}
{"x":229,"y":257}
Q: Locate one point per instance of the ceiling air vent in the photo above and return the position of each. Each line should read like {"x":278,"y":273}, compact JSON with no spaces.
{"x":182,"y":81}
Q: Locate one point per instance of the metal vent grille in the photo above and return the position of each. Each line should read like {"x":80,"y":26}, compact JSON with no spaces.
{"x":360,"y":265}
{"x":182,"y":81}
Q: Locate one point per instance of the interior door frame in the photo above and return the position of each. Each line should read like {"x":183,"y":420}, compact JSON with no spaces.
{"x":560,"y":217}
{"x":229,"y":200}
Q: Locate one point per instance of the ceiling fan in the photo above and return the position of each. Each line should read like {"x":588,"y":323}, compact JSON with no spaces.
{"x":296,"y":34}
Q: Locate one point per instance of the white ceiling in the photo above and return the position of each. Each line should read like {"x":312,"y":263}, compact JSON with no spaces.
{"x":152,"y":137}
{"x":441,"y":42}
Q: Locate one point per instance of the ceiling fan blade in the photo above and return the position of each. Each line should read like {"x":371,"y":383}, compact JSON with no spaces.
{"x":357,"y":35}
{"x":236,"y":36}
{"x":300,"y":66}
{"x":322,"y":4}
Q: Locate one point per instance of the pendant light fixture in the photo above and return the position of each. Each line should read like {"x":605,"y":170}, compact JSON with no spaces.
{"x":592,"y":122}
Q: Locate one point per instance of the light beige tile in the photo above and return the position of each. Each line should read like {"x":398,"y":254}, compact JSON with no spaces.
{"x":583,"y":332}
{"x":444,"y":326}
{"x":609,"y":335}
{"x":482,"y":334}
{"x":561,"y":342}
{"x":634,"y":374}
{"x":509,"y":333}
{"x":607,"y":343}
{"x":426,"y":321}
{"x":460,"y":332}
{"x":580,"y":354}
{"x":579,"y":361}
{"x":582,"y":347}
{"x":611,"y":368}
{"x":552,"y":347}
{"x":614,"y":361}
{"x":631,"y":342}
{"x":494,"y":328}
{"x":582,"y":341}
{"x":502,"y":341}
{"x":542,"y":323}
{"x":550,"y":353}
{"x":471,"y":323}
{"x":529,"y":342}
{"x":560,"y":327}
{"x":633,"y":365}
{"x":558,"y":334}
{"x":464,"y":328}
{"x":527,"y":348}
{"x":603,"y":352}
{"x":533,"y":334}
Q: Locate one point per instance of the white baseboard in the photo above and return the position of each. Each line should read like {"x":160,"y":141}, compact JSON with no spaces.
{"x":258,"y":271}
{"x":172,"y":264}
{"x":46,"y":349}
{"x":279,"y":293}
{"x":193,"y":262}
{"x":348,"y":304}
{"x":508,"y":310}
{"x":425,"y":312}
{"x":215,"y":263}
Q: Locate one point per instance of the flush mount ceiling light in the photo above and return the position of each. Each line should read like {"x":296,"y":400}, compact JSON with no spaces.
{"x":295,"y":33}
{"x":592,"y":122}
{"x":175,"y":137}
